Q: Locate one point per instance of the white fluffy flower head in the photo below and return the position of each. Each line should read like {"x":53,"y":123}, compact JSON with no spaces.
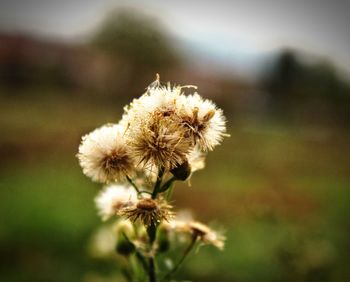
{"x":104,"y":155}
{"x":161,"y":100}
{"x":205,"y":123}
{"x":113,"y":198}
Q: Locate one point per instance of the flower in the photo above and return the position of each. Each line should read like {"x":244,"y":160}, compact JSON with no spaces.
{"x":164,"y":124}
{"x":158,"y":142}
{"x":104,"y":156}
{"x":113,"y":198}
{"x":161,"y":100}
{"x":163,"y":137}
{"x":149,"y":211}
{"x":154,"y":132}
{"x":207,"y":235}
{"x":204,"y":122}
{"x":199,"y":231}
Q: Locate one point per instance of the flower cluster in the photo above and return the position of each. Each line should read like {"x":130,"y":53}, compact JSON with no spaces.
{"x":163,"y":137}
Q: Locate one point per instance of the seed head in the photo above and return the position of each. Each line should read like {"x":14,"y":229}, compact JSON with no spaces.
{"x":203,"y":121}
{"x":159,"y":142}
{"x":104,"y":156}
{"x":148,"y":211}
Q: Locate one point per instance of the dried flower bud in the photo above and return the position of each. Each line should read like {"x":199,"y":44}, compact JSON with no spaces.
{"x":124,"y":246}
{"x":182,"y":172}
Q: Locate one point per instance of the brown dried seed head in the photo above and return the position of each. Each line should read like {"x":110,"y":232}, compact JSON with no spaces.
{"x":147,"y":204}
{"x":199,"y":228}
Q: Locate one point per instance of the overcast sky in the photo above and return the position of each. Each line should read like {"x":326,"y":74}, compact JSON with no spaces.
{"x":222,"y":26}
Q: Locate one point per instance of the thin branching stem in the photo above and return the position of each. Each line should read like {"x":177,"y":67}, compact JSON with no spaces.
{"x":158,"y":182}
{"x":167,"y":184}
{"x":127,"y":275}
{"x":170,"y":192}
{"x":142,"y":260}
{"x":179,"y":263}
{"x":133,"y":184}
{"x":152,"y":229}
{"x":151,"y":271}
{"x":145,"y":192}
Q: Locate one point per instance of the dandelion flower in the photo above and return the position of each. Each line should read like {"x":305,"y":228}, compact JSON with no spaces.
{"x":104,"y":156}
{"x":148,"y":211}
{"x":113,"y":198}
{"x":204,"y":122}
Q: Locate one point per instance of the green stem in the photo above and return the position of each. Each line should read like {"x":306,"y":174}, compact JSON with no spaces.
{"x":134,"y":266}
{"x":170,"y":191}
{"x":158,"y":182}
{"x":185,"y":254}
{"x":167,"y":184}
{"x":151,"y":231}
{"x":133,"y":184}
{"x":142,"y":260}
{"x":127,"y":275}
{"x":151,"y":271}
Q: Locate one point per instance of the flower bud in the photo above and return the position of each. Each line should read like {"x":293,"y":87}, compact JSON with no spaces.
{"x":124,"y":246}
{"x":182,"y":172}
{"x":163,"y":240}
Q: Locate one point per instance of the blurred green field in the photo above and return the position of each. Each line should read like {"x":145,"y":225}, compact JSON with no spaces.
{"x":281,"y":191}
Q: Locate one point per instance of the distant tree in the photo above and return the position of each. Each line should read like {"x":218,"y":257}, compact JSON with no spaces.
{"x":139,"y":46}
{"x":294,"y":84}
{"x":283,"y":80}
